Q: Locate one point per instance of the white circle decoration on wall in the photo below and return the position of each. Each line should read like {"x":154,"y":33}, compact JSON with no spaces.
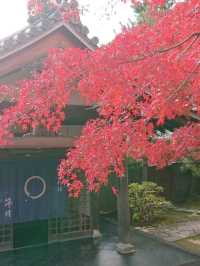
{"x":40,"y":194}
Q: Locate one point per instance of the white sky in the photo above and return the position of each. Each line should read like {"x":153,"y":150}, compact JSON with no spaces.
{"x":13,"y":17}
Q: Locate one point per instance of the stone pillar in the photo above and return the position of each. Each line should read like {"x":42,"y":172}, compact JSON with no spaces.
{"x":125,"y":245}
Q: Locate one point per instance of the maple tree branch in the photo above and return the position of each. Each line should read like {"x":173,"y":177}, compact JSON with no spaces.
{"x":164,"y":50}
{"x":193,"y":152}
{"x":183,"y":83}
{"x":195,"y":34}
{"x":194,"y":116}
{"x":182,"y":86}
{"x":189,"y":46}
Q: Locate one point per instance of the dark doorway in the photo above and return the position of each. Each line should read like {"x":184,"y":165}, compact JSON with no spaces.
{"x":31,"y":233}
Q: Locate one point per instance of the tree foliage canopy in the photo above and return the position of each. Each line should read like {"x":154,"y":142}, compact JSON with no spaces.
{"x":148,"y":75}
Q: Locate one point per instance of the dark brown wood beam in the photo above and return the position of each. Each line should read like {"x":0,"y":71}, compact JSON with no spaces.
{"x":39,"y":143}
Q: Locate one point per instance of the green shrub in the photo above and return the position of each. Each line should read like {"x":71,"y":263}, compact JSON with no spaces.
{"x":145,"y":202}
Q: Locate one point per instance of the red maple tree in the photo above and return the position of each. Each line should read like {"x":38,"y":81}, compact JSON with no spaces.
{"x":148,"y":75}
{"x":68,"y":8}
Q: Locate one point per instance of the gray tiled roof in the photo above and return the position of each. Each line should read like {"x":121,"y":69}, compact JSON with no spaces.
{"x":42,"y":27}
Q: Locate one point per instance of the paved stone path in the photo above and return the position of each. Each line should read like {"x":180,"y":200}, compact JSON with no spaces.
{"x":175,"y":232}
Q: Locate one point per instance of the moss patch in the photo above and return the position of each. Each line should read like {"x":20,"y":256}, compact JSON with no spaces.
{"x":192,"y":203}
{"x":172,"y":217}
{"x":191,"y":243}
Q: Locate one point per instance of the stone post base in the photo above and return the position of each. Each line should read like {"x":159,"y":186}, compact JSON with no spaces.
{"x":125,"y":249}
{"x":96,"y":234}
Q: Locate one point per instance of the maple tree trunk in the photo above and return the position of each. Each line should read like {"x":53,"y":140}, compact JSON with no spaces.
{"x":193,"y":187}
{"x":123,"y":211}
{"x":144,"y":170}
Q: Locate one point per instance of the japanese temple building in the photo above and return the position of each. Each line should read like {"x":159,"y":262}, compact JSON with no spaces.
{"x":34,"y":209}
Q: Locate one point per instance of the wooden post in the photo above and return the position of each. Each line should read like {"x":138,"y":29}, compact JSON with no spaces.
{"x":125,"y":245}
